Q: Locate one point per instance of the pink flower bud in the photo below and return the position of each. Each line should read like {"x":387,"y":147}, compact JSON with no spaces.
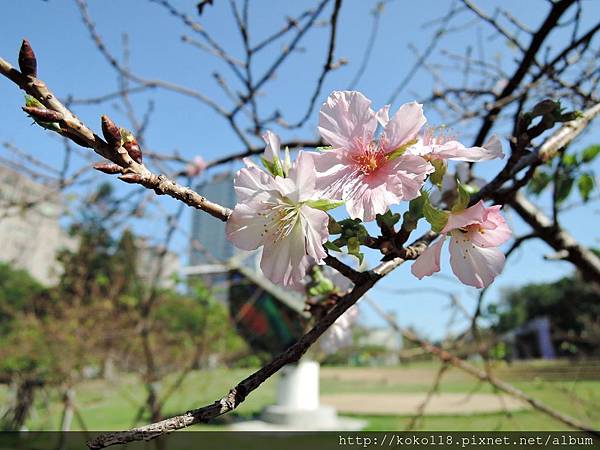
{"x":196,"y":167}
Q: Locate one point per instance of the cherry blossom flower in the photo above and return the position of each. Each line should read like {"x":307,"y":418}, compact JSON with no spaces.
{"x":196,"y":167}
{"x":274,"y":212}
{"x":339,"y":335}
{"x":475,"y":234}
{"x":369,"y":175}
{"x":439,"y":144}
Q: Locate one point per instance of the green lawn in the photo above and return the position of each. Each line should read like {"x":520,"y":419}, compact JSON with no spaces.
{"x":107,"y":406}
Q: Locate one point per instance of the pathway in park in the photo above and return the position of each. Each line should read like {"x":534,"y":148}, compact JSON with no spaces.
{"x":407,"y":404}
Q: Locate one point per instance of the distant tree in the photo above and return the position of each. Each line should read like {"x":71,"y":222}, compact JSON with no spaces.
{"x":20,"y":297}
{"x":572,"y":306}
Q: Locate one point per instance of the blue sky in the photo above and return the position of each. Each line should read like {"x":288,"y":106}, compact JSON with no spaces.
{"x":69,"y":63}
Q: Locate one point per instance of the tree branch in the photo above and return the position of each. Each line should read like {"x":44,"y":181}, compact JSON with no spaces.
{"x":132,"y":171}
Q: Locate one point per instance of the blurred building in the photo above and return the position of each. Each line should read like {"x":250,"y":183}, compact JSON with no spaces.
{"x":209,"y":247}
{"x":31,"y":234}
{"x":30,"y":231}
{"x":531,"y":340}
{"x":151,"y":258}
{"x":388,"y":342}
{"x":209,"y":243}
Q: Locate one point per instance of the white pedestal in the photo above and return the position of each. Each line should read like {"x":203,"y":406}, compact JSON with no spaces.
{"x":298,"y":386}
{"x":298,"y":405}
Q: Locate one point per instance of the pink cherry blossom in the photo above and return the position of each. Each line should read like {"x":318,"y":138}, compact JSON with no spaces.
{"x":339,"y":335}
{"x":475,"y":234}
{"x":196,"y":167}
{"x":272,"y":212}
{"x":441,"y":145}
{"x":361,"y":171}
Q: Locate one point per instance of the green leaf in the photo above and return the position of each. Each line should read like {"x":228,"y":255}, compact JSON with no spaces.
{"x":33,"y":102}
{"x":563,"y":188}
{"x":437,"y":177}
{"x":415,"y":212}
{"x":436,"y":217}
{"x":569,"y":160}
{"x":324,"y":148}
{"x":331,"y":246}
{"x":274,"y":167}
{"x":415,"y":206}
{"x":400,"y":150}
{"x":590,"y":153}
{"x":324,"y":204}
{"x":585,"y":184}
{"x":539,"y":182}
{"x":463,"y":198}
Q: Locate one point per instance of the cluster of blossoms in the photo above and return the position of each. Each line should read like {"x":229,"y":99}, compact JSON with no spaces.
{"x":283,"y":209}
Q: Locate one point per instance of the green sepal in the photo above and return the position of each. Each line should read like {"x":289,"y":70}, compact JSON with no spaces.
{"x":388,"y":219}
{"x":463,"y":198}
{"x":324,"y":204}
{"x":400,"y":150}
{"x":436,"y":217}
{"x":274,"y":167}
{"x":331,"y":246}
{"x":437,"y":177}
{"x":354,"y":249}
{"x":333,"y":227}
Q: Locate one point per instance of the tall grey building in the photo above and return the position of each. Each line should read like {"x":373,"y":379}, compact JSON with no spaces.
{"x":209,"y":243}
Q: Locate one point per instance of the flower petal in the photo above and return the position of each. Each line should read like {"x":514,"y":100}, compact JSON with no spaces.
{"x":411,"y":172}
{"x":283,"y":261}
{"x":372,"y":194}
{"x":428,"y":262}
{"x":272,"y":149}
{"x":383,"y":115}
{"x":493,"y":232}
{"x":304,"y":176}
{"x":245,"y":228}
{"x":368,"y":198}
{"x":251,"y":182}
{"x":332,"y":173}
{"x":457,"y":151}
{"x":347,"y":118}
{"x":314,"y":225}
{"x":339,"y":335}
{"x":403,"y":127}
{"x":475,"y":214}
{"x":474,"y":266}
